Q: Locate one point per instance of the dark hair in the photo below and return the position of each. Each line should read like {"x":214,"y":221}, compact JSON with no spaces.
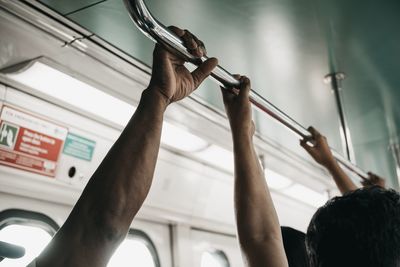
{"x":295,"y":247}
{"x":361,"y":228}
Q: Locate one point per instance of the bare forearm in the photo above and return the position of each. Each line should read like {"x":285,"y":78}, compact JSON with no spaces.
{"x":122,"y":181}
{"x":342,"y":180}
{"x":102,"y":216}
{"x":255,"y":214}
{"x":257,"y":222}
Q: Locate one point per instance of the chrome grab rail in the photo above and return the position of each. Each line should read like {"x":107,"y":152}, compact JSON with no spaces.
{"x":156,"y":31}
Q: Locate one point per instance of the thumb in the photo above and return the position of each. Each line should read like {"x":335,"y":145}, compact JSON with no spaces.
{"x":309,"y":149}
{"x":227,"y":95}
{"x":203,"y":71}
{"x":244,"y":88}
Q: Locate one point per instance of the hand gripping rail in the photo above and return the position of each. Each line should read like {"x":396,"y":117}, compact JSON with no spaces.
{"x":156,"y":31}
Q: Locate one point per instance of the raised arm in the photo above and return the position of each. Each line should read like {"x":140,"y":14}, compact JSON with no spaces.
{"x":101,"y":218}
{"x":258,"y":227}
{"x":322,"y":154}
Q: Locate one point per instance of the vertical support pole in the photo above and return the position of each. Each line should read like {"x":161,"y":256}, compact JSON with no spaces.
{"x":334,"y":79}
{"x":395,"y":148}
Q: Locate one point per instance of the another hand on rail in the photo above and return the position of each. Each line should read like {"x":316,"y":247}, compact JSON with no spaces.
{"x":373,"y":180}
{"x":238,"y":108}
{"x":170,"y":77}
{"x":320,"y":152}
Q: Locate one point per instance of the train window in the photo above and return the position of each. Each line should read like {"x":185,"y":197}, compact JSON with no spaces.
{"x":214,"y":258}
{"x":34,"y":239}
{"x":136,"y":250}
{"x":30,"y":230}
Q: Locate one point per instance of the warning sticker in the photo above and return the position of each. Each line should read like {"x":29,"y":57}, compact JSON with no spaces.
{"x":8,"y":135}
{"x":79,"y":147}
{"x":30,"y":143}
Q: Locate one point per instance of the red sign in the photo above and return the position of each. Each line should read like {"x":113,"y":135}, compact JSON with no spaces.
{"x":30,"y":143}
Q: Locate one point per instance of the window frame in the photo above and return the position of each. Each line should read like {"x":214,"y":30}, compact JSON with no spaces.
{"x":142,"y":236}
{"x":29,"y":218}
{"x":220,"y":253}
{"x":36,"y":219}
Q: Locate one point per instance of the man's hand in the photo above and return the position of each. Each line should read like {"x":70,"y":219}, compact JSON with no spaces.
{"x":238,"y":108}
{"x":170,"y":77}
{"x":320,"y":152}
{"x":373,"y":180}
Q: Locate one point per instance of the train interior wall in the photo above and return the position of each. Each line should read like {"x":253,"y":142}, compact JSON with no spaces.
{"x":189,"y":209}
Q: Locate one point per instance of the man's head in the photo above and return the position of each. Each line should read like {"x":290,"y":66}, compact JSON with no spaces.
{"x":295,"y":247}
{"x":361,"y":228}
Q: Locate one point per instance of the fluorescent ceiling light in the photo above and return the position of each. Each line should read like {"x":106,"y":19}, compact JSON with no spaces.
{"x":66,"y":88}
{"x":306,"y":195}
{"x":276,"y":181}
{"x":180,"y":139}
{"x":217,"y":156}
{"x":59,"y":85}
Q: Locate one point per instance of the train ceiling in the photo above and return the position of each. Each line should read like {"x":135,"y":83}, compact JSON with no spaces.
{"x":286,"y":47}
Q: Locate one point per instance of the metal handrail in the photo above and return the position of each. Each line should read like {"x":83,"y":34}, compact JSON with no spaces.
{"x":156,"y":31}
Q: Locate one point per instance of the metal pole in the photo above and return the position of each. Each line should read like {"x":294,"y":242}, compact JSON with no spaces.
{"x":156,"y":31}
{"x":395,"y":147}
{"x":334,"y":79}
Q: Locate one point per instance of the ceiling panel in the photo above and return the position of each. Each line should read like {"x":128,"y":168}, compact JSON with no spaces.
{"x":70,"y":6}
{"x":365,"y":40}
{"x":286,"y":47}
